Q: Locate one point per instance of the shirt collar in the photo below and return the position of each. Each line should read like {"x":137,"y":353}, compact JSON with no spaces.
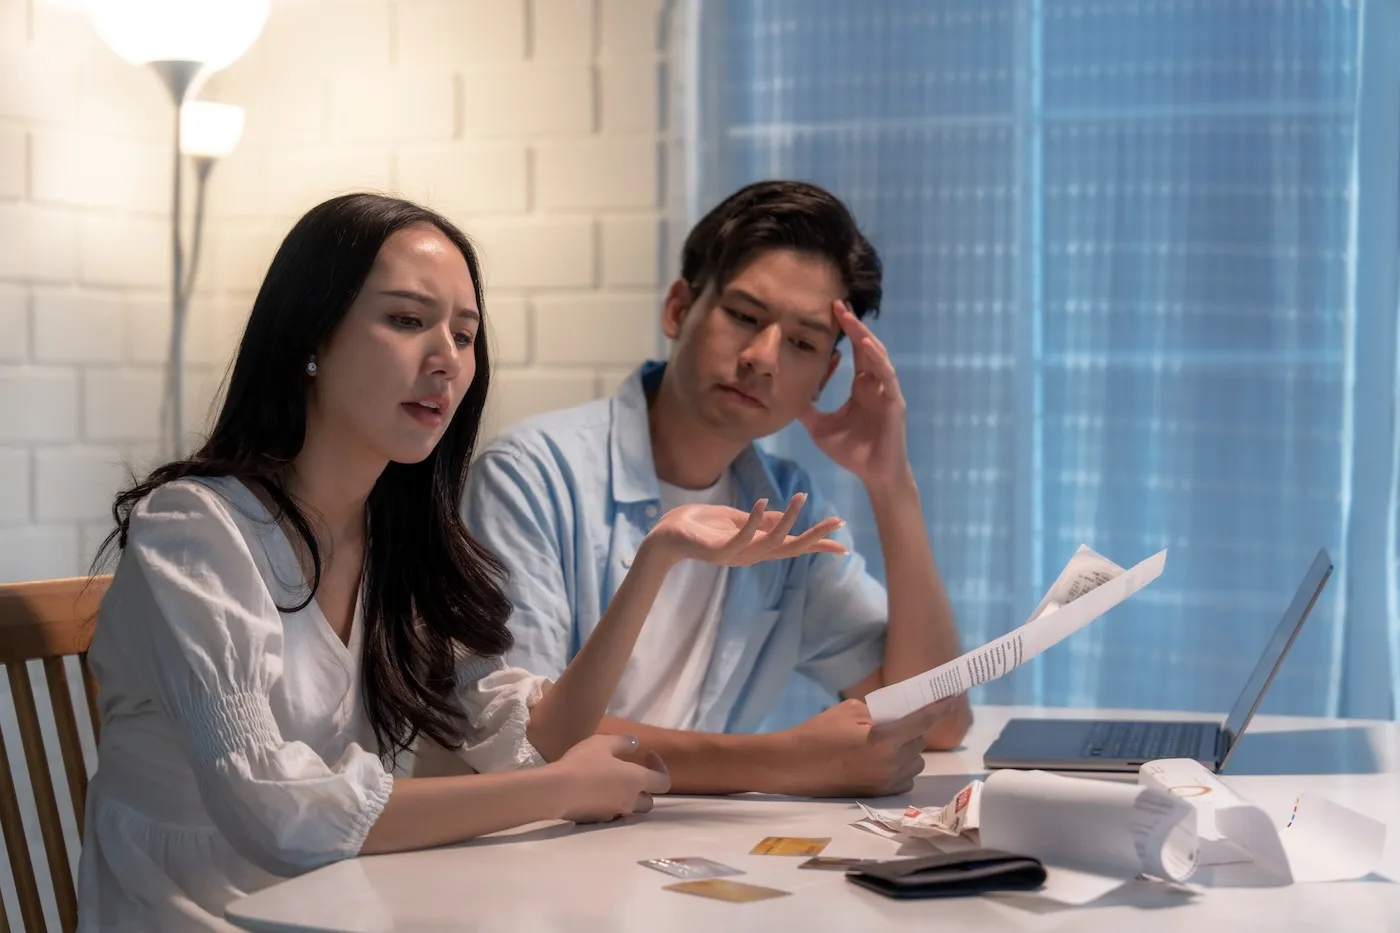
{"x":633,"y":468}
{"x":633,"y":471}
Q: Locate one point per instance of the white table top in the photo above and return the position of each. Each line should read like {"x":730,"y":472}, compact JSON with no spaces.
{"x":561,"y":877}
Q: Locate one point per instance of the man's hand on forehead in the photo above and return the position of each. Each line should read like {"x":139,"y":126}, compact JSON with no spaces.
{"x":866,"y":435}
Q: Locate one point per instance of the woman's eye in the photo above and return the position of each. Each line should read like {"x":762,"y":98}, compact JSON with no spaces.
{"x":803,"y":345}
{"x":465,"y":340}
{"x":404,"y":320}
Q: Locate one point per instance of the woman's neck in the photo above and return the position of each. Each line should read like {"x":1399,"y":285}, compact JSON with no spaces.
{"x":334,"y":483}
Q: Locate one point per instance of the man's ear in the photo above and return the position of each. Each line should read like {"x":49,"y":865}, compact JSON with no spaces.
{"x":831,"y":365}
{"x":679,"y":298}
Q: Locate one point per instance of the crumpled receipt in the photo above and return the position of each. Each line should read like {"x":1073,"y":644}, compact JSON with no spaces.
{"x":962,"y":814}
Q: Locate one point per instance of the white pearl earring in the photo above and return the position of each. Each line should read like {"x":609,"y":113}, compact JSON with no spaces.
{"x":311,"y":366}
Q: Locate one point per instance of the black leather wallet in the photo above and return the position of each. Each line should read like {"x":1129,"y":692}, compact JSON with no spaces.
{"x":955,"y":874}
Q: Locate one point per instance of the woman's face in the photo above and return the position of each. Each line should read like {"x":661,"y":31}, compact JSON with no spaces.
{"x":391,"y":375}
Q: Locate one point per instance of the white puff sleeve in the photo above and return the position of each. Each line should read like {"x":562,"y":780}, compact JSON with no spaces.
{"x":497,"y":701}
{"x":209,"y":645}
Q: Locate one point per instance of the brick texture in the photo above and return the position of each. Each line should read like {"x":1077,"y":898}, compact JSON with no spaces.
{"x":533,"y":124}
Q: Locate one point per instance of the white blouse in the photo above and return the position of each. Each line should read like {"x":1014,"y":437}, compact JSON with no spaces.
{"x":235,"y":745}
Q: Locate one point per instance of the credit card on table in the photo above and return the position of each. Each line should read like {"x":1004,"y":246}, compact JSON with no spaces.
{"x":722,"y":890}
{"x":690,"y":867}
{"x":791,"y":845}
{"x":830,"y":863}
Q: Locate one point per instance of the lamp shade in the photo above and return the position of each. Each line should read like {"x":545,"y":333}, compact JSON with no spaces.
{"x":209,"y":129}
{"x":213,"y":33}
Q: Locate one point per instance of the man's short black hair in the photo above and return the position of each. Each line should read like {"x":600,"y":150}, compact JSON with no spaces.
{"x":782,"y":215}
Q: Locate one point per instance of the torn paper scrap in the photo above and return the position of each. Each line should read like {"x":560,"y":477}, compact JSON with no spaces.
{"x":917,"y":826}
{"x":885,"y":823}
{"x":1088,"y":587}
{"x":959,"y":816}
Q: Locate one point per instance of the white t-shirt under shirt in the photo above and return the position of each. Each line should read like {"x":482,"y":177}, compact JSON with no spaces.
{"x":661,"y":684}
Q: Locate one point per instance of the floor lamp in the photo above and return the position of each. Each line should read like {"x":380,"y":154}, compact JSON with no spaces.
{"x":183,"y":42}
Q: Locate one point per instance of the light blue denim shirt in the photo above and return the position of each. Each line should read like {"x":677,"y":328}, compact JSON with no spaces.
{"x":565,"y":500}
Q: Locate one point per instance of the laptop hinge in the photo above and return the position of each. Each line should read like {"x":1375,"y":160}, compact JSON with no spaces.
{"x":1223,"y":741}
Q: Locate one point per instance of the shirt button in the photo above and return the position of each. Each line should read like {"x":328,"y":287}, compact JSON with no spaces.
{"x":626,"y":562}
{"x":651,"y":511}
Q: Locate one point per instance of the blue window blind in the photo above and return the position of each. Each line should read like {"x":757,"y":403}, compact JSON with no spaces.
{"x":1120,"y":253}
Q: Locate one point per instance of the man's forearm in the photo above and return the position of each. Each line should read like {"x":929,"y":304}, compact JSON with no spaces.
{"x":707,"y":763}
{"x":922,"y":631}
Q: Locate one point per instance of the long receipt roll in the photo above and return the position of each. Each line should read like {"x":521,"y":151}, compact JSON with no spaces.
{"x":1092,"y":835}
{"x":1089,"y":586}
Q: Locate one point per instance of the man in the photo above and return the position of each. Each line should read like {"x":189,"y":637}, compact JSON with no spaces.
{"x":771,"y":280}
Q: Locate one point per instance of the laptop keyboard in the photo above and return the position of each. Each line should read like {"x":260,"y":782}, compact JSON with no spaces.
{"x":1144,"y":740}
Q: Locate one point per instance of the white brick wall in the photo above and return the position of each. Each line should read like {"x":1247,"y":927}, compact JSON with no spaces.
{"x":14,"y":324}
{"x":14,"y":162}
{"x":597,"y":174}
{"x":38,"y":244}
{"x":122,"y":250}
{"x":631,"y":250}
{"x":520,"y":393}
{"x":536,"y":252}
{"x":465,"y":178}
{"x":78,"y":326}
{"x":120,"y":404}
{"x":534,"y":124}
{"x":459,"y":33}
{"x":560,"y":100}
{"x":564,"y":30}
{"x":14,"y":493}
{"x":73,"y":483}
{"x":593,"y":328}
{"x":38,"y":403}
{"x":510,"y":330}
{"x":90,"y":170}
{"x":37,"y":552}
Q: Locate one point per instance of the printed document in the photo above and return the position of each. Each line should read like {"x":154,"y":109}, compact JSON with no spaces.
{"x":1089,"y":586}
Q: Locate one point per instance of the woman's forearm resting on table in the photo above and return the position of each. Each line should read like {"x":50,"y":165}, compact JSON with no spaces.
{"x":426,"y":812}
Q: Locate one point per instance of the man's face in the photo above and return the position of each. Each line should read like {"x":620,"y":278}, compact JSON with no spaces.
{"x":751,"y":357}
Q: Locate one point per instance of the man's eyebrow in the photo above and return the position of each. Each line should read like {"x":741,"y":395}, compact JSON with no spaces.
{"x":733,"y":292}
{"x":810,"y":324}
{"x":802,"y":320}
{"x":429,"y":302}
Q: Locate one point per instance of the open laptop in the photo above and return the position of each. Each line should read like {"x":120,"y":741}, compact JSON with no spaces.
{"x":1111,"y":745}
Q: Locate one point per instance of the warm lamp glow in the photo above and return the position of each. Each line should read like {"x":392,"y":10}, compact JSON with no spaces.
{"x":209,"y":129}
{"x":213,"y":33}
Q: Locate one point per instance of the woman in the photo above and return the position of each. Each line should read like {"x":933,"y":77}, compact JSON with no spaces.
{"x":298,"y":602}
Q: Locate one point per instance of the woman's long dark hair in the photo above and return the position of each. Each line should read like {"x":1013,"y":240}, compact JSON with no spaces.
{"x":430,"y":589}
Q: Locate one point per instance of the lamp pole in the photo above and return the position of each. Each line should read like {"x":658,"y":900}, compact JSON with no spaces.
{"x":178,"y":77}
{"x":182,"y":41}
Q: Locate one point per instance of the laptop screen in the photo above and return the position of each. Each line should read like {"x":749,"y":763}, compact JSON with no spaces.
{"x":1287,"y":630}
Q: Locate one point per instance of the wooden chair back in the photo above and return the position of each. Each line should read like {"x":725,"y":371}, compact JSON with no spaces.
{"x":46,"y":621}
